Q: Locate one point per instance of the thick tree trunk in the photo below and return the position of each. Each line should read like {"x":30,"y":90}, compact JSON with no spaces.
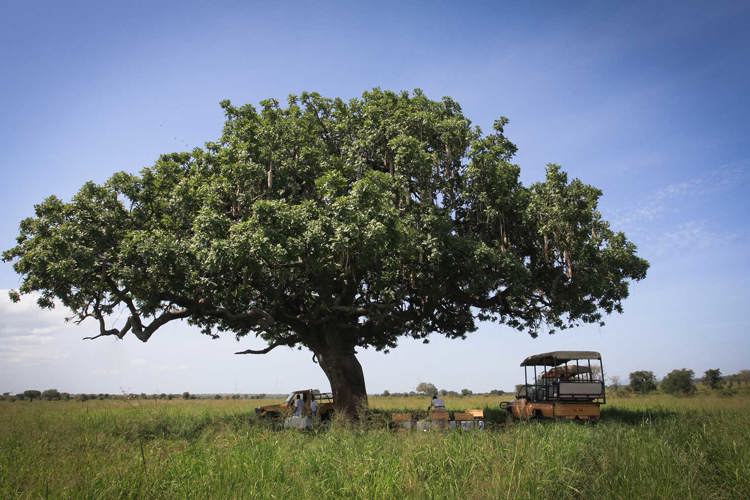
{"x":347,"y":380}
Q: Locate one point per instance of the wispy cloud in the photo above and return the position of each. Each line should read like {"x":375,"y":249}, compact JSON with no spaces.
{"x":667,"y":199}
{"x":29,"y":350}
{"x":690,"y":236}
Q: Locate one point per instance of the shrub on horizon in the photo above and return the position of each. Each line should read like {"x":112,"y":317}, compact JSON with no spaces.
{"x":679,"y":382}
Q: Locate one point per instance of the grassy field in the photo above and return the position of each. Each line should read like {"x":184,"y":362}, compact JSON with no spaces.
{"x":645,"y":447}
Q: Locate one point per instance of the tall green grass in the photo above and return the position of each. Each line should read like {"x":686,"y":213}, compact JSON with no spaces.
{"x":653,"y":447}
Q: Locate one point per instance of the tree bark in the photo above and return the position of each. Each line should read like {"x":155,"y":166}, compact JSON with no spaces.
{"x":344,"y":372}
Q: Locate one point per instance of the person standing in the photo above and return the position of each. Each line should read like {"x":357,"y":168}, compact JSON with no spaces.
{"x":299,"y":404}
{"x":314,"y":408}
{"x":437,"y":403}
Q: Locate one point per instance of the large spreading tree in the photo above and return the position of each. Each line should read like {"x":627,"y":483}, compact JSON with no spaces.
{"x":331,"y":225}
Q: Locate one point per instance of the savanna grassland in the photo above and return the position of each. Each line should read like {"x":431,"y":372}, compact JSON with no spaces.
{"x":645,"y":447}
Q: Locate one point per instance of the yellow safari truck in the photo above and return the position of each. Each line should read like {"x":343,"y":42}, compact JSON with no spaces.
{"x":286,"y":409}
{"x":565,"y":385}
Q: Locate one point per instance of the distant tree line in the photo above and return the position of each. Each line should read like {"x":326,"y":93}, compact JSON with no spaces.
{"x":55,"y":395}
{"x":429,"y":389}
{"x":680,"y":382}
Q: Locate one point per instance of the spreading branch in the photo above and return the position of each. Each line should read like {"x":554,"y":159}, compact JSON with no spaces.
{"x":135,"y":323}
{"x":103,"y":331}
{"x":289,"y":342}
{"x":254,"y":316}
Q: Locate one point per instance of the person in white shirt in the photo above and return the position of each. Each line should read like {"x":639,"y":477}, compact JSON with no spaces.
{"x":314,"y":408}
{"x":299,"y":404}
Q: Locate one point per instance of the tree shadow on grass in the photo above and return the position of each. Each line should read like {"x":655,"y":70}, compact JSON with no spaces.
{"x":637,"y":416}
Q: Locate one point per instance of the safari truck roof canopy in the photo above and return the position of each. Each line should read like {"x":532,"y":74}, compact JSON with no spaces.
{"x":555,"y":358}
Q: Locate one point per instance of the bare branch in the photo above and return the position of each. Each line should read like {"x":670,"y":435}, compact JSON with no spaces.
{"x":135,"y":323}
{"x":103,"y":331}
{"x":287,"y":342}
{"x":144,"y":334}
{"x":254,"y":316}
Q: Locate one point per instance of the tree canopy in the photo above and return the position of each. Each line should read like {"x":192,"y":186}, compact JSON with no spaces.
{"x":332,"y":225}
{"x":427,"y":388}
{"x":713,"y":379}
{"x":642,"y":381}
{"x":32,"y":394}
{"x":679,"y":382}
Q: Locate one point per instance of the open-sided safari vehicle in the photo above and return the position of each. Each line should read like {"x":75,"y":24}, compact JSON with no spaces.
{"x":564,"y":385}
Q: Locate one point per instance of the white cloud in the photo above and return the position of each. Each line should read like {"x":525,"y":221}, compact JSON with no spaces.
{"x":690,"y":236}
{"x":27,"y":332}
{"x":27,"y":318}
{"x":27,"y":339}
{"x":29,"y":352}
{"x":666,"y":199}
{"x":43,"y":330}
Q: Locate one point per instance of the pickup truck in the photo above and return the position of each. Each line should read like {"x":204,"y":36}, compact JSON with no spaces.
{"x":286,"y":409}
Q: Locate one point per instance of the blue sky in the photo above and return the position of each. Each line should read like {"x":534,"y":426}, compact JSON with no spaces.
{"x":647,"y":101}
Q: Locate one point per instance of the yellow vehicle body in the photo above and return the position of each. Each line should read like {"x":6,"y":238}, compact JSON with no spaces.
{"x":524,"y":410}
